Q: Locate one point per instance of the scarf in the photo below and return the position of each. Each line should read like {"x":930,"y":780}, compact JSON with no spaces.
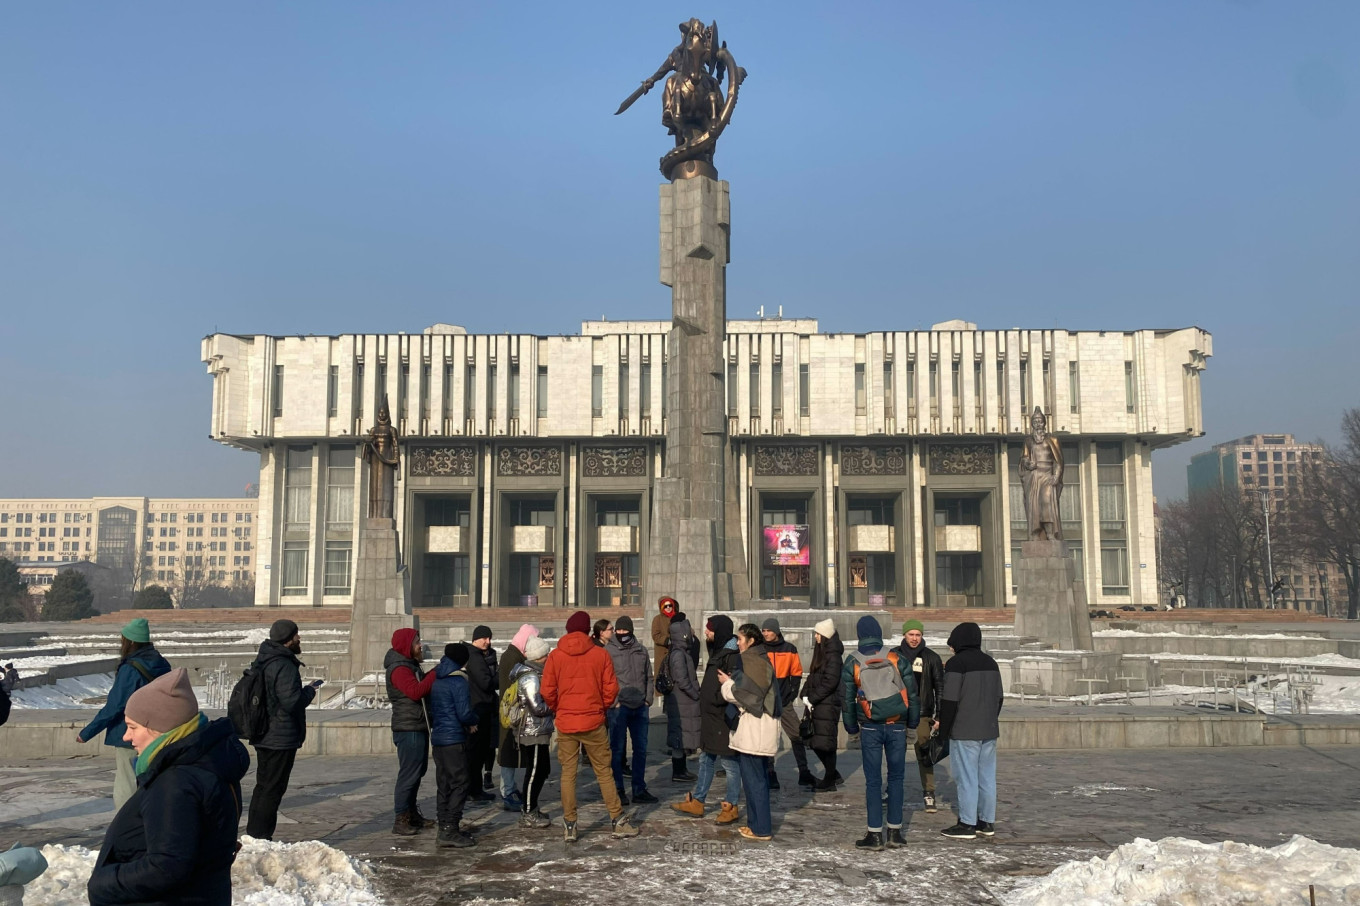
{"x":192,"y":725}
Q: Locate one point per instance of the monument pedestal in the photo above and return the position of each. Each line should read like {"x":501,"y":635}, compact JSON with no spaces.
{"x":1051,"y":599}
{"x":381,"y":601}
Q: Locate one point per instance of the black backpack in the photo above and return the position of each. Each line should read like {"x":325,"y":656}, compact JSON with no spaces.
{"x":248,"y":707}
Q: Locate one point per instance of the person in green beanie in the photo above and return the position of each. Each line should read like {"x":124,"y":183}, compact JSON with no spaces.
{"x":928,"y":670}
{"x":139,"y":664}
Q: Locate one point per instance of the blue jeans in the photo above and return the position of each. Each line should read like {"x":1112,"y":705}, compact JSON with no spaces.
{"x":708,"y":765}
{"x":973,"y":764}
{"x":877,"y":741}
{"x":756,"y":779}
{"x":413,"y":758}
{"x":625,"y":723}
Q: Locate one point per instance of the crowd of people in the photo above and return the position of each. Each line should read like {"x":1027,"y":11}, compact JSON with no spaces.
{"x":177,"y":781}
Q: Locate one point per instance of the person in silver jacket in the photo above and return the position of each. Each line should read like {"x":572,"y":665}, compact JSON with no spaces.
{"x":533,"y":729}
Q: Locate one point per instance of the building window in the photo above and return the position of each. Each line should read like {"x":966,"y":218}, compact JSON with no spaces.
{"x":332,"y":391}
{"x":888,"y":402}
{"x":446,"y":402}
{"x":776,"y":390}
{"x":297,"y":489}
{"x":1024,"y":386}
{"x":513,"y":391}
{"x":1074,"y":387}
{"x":755,"y":390}
{"x":1130,"y":390}
{"x":1110,"y":485}
{"x":623,"y":390}
{"x":425,"y":392}
{"x":1114,"y":568}
{"x":294,"y":568}
{"x":358,"y":390}
{"x":861,"y":395}
{"x":491,"y":393}
{"x":403,"y":391}
{"x":469,"y":391}
{"x":934,"y":389}
{"x":337,"y":568}
{"x":542,"y":391}
{"x":645,"y":389}
{"x":911,"y":389}
{"x":804,"y":392}
{"x":597,"y":391}
{"x":1003,"y":389}
{"x":340,"y":489}
{"x":278,"y":390}
{"x":732,"y":389}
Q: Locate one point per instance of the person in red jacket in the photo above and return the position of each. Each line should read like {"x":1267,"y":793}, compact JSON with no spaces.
{"x":408,"y":688}
{"x":579,"y":685}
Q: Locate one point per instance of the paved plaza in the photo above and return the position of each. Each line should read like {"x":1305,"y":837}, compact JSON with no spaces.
{"x":1054,"y":807}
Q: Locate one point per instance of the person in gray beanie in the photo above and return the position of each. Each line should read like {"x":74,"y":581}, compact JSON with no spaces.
{"x":287,"y":700}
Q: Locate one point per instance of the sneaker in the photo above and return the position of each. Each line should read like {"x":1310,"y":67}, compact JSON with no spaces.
{"x":960,"y":832}
{"x":749,"y":834}
{"x":513,"y":803}
{"x":895,"y":839}
{"x":534,"y":819}
{"x":625,"y":828}
{"x":930,"y":803}
{"x":645,"y":797}
{"x":683,"y":777}
{"x":569,"y":828}
{"x":481,"y":796}
{"x":689,"y":806}
{"x":871,"y":840}
{"x":985,"y":829}
{"x":727,"y":814}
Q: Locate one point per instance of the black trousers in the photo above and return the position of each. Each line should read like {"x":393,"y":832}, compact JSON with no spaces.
{"x":481,"y":746}
{"x":451,"y":778}
{"x":273,"y":768}
{"x":538,"y":765}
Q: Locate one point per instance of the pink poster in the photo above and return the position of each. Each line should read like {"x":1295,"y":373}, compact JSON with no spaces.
{"x":788,"y":545}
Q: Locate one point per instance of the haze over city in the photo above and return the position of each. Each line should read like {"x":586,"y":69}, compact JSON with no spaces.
{"x":173,"y":171}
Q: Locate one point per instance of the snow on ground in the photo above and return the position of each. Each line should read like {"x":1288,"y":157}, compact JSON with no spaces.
{"x":30,"y":665}
{"x":1315,"y":660}
{"x":72,"y":692}
{"x":1131,"y":633}
{"x":265,"y":874}
{"x":1175,"y":871}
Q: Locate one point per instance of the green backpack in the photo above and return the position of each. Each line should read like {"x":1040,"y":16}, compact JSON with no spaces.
{"x":512,"y":712}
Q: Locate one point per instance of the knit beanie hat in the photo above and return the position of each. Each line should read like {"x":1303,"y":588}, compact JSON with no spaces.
{"x":577,"y":622}
{"x":281,"y":631}
{"x":771,"y":624}
{"x":909,"y":625}
{"x":164,"y":703}
{"x":538,"y":649}
{"x":868,"y":628}
{"x":481,"y":632}
{"x":458,"y":653}
{"x":826,"y":628}
{"x":668,"y":604}
{"x":137,"y":630}
{"x":623,"y":624}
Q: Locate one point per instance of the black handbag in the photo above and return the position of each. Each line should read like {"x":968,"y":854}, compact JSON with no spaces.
{"x":664,"y":685}
{"x":805,"y":727}
{"x":937,"y":748}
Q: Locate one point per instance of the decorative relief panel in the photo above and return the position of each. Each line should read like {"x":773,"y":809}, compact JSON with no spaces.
{"x":796,"y":576}
{"x":520,"y":461}
{"x":547,"y":571}
{"x":962,"y":459}
{"x":787,"y":459}
{"x":609,"y":572}
{"x":458,"y":461}
{"x":858,"y":572}
{"x":876,"y":459}
{"x":614,"y":462}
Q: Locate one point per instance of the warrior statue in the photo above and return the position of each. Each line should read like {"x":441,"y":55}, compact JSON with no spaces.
{"x":693,"y":107}
{"x":1041,"y":476}
{"x":382,"y":456}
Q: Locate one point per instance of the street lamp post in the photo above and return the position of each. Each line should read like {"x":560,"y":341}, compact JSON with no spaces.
{"x":1270,"y":564}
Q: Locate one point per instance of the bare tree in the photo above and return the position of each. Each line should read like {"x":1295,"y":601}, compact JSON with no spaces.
{"x":1327,"y":508}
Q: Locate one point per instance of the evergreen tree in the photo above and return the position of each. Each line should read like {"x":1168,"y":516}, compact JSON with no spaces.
{"x":13,"y":593}
{"x":69,"y":598}
{"x":153,"y":597}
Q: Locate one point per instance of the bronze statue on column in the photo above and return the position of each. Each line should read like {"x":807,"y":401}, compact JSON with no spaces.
{"x":1041,"y":476}
{"x":383,"y":456}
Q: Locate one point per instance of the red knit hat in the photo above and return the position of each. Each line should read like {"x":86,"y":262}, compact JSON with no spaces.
{"x":669,"y":604}
{"x":578,"y":622}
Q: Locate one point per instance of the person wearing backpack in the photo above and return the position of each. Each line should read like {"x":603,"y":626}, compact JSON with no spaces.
{"x":408,"y":689}
{"x":453,"y":723}
{"x":970,"y":704}
{"x":139,"y":663}
{"x":287,"y":700}
{"x":531,"y":724}
{"x":507,"y":753}
{"x":880,"y":705}
{"x":629,"y":715}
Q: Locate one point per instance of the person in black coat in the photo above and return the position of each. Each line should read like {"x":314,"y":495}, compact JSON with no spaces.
{"x":928,"y":670}
{"x":823,"y":690}
{"x":288,"y":699}
{"x":174,"y":841}
{"x":484,"y":682}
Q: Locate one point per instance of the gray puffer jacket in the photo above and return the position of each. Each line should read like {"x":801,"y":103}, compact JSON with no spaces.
{"x":633,"y":668}
{"x":536,"y":726}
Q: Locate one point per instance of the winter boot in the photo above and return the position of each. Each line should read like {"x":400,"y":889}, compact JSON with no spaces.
{"x":826,"y":785}
{"x":625,"y":828}
{"x":451,"y":836}
{"x":679,"y":772}
{"x":419,"y":821}
{"x":569,"y":831}
{"x":871,"y":840}
{"x":727,"y":814}
{"x":806,"y":780}
{"x":534,"y":819}
{"x":645,"y":798}
{"x":690,"y":806}
{"x":895,"y":838}
{"x":403,"y":827}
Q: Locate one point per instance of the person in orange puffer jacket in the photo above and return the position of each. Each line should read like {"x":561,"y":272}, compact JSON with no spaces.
{"x":579,"y":685}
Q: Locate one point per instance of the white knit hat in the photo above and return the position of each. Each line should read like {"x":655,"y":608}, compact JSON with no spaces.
{"x":536,"y":649}
{"x":826,"y":628}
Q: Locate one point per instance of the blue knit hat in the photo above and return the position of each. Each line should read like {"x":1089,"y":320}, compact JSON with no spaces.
{"x":868,"y":628}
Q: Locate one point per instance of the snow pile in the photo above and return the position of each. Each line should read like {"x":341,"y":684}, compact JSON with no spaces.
{"x":265,"y":874}
{"x":1176,"y":871}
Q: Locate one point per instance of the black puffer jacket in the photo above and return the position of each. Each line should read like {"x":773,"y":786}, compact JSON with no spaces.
{"x":507,"y":755}
{"x":288,"y":698}
{"x":715,"y":737}
{"x":483,"y":679}
{"x":823,"y":687}
{"x":174,"y":841}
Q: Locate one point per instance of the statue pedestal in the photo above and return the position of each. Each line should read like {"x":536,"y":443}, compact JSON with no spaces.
{"x":1051,"y":599}
{"x":382,"y":602}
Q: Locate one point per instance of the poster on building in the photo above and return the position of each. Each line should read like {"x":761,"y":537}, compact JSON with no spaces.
{"x":788,"y":545}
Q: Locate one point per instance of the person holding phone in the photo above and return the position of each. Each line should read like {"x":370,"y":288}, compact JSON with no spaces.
{"x":287,"y":700}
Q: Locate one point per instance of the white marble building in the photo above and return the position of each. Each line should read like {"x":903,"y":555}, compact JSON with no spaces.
{"x":528,"y":460}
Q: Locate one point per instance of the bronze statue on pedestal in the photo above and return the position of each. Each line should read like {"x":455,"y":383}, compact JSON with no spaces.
{"x":693,"y":108}
{"x":383,"y":456}
{"x":1041,"y":476}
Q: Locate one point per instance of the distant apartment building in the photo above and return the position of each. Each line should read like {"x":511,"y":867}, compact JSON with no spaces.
{"x":144,"y":540}
{"x":1269,"y":465}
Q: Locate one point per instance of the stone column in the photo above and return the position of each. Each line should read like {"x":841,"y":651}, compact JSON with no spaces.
{"x":695,"y":554}
{"x":1050,"y":603}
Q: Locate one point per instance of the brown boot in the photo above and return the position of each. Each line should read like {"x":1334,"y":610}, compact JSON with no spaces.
{"x":691,"y":806}
{"x":727,"y":814}
{"x":403,"y":827}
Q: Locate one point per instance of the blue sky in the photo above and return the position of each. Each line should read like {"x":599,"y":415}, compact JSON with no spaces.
{"x":170,"y":169}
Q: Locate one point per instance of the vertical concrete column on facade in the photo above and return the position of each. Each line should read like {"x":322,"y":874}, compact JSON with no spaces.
{"x":571,"y":499}
{"x":267,"y":549}
{"x":486,"y":575}
{"x":920,"y":525}
{"x":833,"y":559}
